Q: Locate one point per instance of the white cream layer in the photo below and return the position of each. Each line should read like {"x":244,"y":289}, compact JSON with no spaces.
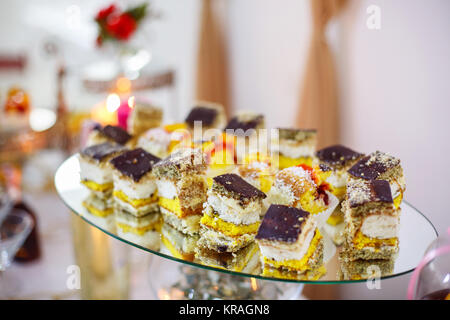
{"x":93,"y":172}
{"x":229,"y":209}
{"x":166,"y":189}
{"x":337,"y":180}
{"x":395,"y":190}
{"x":293,"y":151}
{"x":380,"y":226}
{"x":134,"y":190}
{"x":295,"y":251}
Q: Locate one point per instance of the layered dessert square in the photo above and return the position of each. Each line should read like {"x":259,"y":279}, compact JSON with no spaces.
{"x":143,"y":230}
{"x":109,"y":133}
{"x":135,"y":190}
{"x":334,"y":161}
{"x":180,"y":245}
{"x":381,"y":166}
{"x":101,"y":211}
{"x":245,"y":260}
{"x":371,"y":221}
{"x":290,"y":243}
{"x":210,"y":115}
{"x":135,"y":197}
{"x":182,"y":186}
{"x":143,"y":117}
{"x":295,"y":146}
{"x":301,"y":187}
{"x":231,"y":215}
{"x":95,"y":169}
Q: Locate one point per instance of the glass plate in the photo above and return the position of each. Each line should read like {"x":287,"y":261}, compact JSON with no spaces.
{"x":416,"y":233}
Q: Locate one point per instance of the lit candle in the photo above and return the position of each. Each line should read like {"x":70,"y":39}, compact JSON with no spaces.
{"x":124,"y":112}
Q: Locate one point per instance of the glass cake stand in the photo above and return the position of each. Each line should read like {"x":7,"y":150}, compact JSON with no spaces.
{"x":416,"y":233}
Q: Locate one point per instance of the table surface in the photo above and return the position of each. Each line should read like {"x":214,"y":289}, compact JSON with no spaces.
{"x":46,"y":278}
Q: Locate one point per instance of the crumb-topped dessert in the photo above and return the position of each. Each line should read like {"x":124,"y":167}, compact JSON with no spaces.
{"x":231,"y":215}
{"x":371,"y":221}
{"x":135,"y":197}
{"x":295,"y":146}
{"x":181,"y":180}
{"x":143,"y":117}
{"x":109,"y":133}
{"x":381,"y":166}
{"x":290,"y":244}
{"x":302,"y":187}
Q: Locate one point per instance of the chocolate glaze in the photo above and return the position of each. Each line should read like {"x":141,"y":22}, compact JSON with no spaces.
{"x":116,"y":133}
{"x":365,"y":170}
{"x":134,"y":163}
{"x":101,"y":151}
{"x":235,"y":123}
{"x":382,"y":190}
{"x":337,"y":155}
{"x":282,"y":223}
{"x":203,"y":114}
{"x":234,"y":183}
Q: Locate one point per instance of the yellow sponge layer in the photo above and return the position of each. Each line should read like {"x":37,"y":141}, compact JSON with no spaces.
{"x":173,"y":205}
{"x":228,"y":228}
{"x":140,"y":231}
{"x":300,"y":265}
{"x":97,"y":212}
{"x":96,"y":186}
{"x":360,"y":241}
{"x":135,"y":202}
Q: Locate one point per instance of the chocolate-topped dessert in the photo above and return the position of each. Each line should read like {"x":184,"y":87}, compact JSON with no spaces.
{"x":338,"y":156}
{"x":135,"y":163}
{"x":234,"y":186}
{"x":282,"y":223}
{"x":211,"y":115}
{"x":109,"y":133}
{"x":245,"y":121}
{"x":101,"y":151}
{"x":136,"y":198}
{"x":371,"y":221}
{"x":95,"y":170}
{"x":290,"y":243}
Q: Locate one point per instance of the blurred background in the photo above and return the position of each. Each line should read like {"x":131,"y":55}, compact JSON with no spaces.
{"x":372,"y":75}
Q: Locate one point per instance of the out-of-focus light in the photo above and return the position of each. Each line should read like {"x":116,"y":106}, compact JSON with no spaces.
{"x":131,"y":102}
{"x":112,"y":102}
{"x":253,"y":284}
{"x":42,"y":119}
{"x":123,"y":85}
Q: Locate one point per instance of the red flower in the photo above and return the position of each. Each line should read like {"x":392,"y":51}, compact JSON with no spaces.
{"x":121,"y":26}
{"x":105,"y":13}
